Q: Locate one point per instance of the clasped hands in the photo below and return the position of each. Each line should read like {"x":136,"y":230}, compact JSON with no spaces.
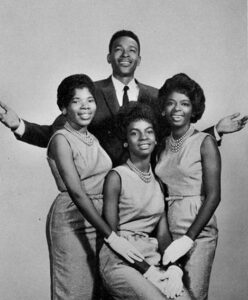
{"x":169,"y":282}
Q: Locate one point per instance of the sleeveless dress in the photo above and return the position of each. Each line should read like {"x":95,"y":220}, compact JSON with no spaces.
{"x":72,"y":240}
{"x":182,"y":173}
{"x":140,"y":207}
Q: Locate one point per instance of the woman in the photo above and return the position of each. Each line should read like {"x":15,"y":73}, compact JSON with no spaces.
{"x":79,"y":165}
{"x":134,"y":207}
{"x":190,"y":165}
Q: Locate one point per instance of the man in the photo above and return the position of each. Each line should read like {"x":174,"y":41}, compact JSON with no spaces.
{"x":124,"y":57}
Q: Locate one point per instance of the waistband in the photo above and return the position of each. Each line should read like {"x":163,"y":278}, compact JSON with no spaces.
{"x":181,"y":197}
{"x":91,"y":196}
{"x":130,"y":233}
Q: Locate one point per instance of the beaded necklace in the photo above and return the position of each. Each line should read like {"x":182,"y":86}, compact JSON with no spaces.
{"x":85,"y":137}
{"x":176,"y":145}
{"x":145,"y":176}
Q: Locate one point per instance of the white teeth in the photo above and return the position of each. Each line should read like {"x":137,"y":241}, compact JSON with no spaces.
{"x":176,"y":118}
{"x":84,"y":116}
{"x":125,"y":63}
{"x":144,"y":146}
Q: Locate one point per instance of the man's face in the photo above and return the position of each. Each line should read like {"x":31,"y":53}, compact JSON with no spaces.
{"x":124,"y":57}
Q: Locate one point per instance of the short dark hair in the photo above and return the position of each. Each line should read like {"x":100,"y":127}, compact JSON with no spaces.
{"x":66,"y":88}
{"x":132,"y":112}
{"x":122,"y":33}
{"x":182,"y":83}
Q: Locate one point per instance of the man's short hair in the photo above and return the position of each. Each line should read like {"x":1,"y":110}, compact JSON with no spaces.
{"x":122,"y":33}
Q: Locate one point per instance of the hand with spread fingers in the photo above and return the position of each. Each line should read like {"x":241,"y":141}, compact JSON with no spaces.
{"x":230,"y":124}
{"x":123,"y":247}
{"x":9,"y":117}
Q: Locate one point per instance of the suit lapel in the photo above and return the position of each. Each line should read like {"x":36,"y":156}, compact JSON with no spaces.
{"x":143,"y":93}
{"x":110,"y":96}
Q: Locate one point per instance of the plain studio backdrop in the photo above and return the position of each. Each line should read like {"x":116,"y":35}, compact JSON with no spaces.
{"x":44,"y":41}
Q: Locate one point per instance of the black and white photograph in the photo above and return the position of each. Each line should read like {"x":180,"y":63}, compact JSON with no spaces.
{"x":124,"y":136}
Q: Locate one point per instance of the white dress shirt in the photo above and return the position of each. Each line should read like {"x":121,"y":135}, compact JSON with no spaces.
{"x":132,"y":93}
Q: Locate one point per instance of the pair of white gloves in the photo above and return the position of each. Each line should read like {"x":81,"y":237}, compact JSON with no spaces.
{"x":169,"y":282}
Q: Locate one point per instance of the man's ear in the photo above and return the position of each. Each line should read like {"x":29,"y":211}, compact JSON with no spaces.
{"x":139,"y":60}
{"x":109,"y":58}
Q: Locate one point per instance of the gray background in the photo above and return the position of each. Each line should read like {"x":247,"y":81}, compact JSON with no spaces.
{"x":44,"y":41}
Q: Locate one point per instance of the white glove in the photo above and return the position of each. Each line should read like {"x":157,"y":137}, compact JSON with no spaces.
{"x":177,"y":249}
{"x":174,"y":286}
{"x":124,"y":247}
{"x":157,"y":277}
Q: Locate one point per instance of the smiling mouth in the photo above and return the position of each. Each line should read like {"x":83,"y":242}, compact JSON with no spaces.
{"x":85,"y":116}
{"x":176,"y":118}
{"x":125,"y":63}
{"x":144,"y":146}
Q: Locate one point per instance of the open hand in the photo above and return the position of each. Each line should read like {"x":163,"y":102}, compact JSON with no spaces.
{"x":123,"y":247}
{"x":231,"y":124}
{"x":9,"y":117}
{"x":177,"y":249}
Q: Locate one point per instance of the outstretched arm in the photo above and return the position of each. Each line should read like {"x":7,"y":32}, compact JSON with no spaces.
{"x":31,"y":133}
{"x":9,"y":117}
{"x":230,"y":124}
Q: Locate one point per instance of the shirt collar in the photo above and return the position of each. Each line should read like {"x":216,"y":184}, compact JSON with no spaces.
{"x":118,"y":85}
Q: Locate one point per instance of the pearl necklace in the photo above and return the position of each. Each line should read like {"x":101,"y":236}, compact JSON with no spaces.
{"x":86,"y":137}
{"x":176,"y":145}
{"x":145,"y":176}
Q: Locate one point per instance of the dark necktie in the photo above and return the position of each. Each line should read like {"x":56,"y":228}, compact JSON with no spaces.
{"x":125,"y":99}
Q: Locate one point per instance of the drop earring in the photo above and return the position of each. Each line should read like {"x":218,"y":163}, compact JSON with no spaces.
{"x":125,"y":145}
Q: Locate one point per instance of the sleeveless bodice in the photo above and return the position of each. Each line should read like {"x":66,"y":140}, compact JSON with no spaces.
{"x":182,"y":170}
{"x":91,"y":161}
{"x":141,"y":204}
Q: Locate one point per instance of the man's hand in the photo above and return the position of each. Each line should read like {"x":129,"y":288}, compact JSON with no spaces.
{"x":231,"y":124}
{"x":9,"y":117}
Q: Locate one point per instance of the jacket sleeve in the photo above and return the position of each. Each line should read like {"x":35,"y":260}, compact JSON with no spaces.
{"x":39,"y":135}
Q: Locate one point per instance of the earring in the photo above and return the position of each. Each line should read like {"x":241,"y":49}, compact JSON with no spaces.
{"x":163,"y":114}
{"x":156,"y":143}
{"x":125,"y":145}
{"x":64,"y":111}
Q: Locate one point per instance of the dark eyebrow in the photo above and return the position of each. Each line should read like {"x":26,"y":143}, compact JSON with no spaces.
{"x":136,"y":129}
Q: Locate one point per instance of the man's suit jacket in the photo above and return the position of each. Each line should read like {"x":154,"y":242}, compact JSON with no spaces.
{"x":102,"y":124}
